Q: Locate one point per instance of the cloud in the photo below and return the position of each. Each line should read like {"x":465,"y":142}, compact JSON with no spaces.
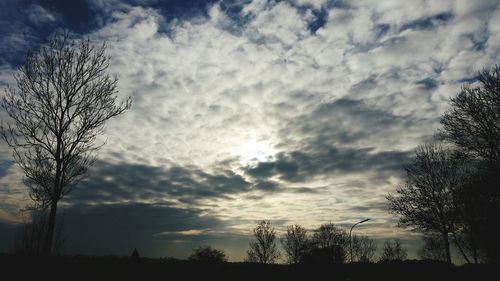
{"x":299,"y":167}
{"x":23,"y":27}
{"x":118,"y":228}
{"x":37,"y":15}
{"x":298,"y":111}
{"x":428,"y":22}
{"x":4,"y":166}
{"x":353,"y":123}
{"x":125,"y":182}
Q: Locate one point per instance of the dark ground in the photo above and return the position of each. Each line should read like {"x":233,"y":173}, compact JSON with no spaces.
{"x":116,"y":268}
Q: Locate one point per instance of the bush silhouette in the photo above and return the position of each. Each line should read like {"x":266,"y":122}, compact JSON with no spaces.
{"x":208,"y":254}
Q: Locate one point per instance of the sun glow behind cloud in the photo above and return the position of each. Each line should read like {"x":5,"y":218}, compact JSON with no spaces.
{"x":253,"y":151}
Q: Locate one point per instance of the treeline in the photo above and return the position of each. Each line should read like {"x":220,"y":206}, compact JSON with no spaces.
{"x":451,"y":193}
{"x":327,"y":244}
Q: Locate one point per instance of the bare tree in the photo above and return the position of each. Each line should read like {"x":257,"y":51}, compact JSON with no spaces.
{"x":62,"y":101}
{"x":473,"y":122}
{"x":393,"y":251}
{"x":427,"y":201}
{"x":363,"y":249}
{"x":473,"y":125}
{"x":264,"y":249}
{"x":295,"y":243}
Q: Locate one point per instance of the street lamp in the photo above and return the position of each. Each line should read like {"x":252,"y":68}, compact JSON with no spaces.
{"x":350,"y":232}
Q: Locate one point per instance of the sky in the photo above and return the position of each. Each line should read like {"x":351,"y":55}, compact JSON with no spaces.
{"x":298,"y":112}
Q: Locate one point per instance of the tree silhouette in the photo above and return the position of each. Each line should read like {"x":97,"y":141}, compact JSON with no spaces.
{"x":393,"y":251}
{"x":427,"y":201}
{"x":473,"y":126}
{"x":363,"y":249}
{"x":62,"y":100}
{"x":330,"y":243}
{"x":433,"y":248}
{"x":264,"y":249}
{"x":295,"y":243}
{"x":208,"y":254}
{"x":473,"y":122}
{"x":479,"y":210}
{"x":135,"y":257}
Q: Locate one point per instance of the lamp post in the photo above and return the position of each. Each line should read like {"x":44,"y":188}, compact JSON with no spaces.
{"x":350,"y":232}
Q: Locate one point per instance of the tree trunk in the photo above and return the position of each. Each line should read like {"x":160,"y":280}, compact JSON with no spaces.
{"x":54,"y":199}
{"x":457,"y":243}
{"x":447,"y":247}
{"x":50,"y":229}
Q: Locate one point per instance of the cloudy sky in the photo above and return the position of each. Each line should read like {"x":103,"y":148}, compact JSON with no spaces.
{"x":300,"y":111}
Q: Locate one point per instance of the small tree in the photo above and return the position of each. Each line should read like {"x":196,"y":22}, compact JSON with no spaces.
{"x":393,"y":251}
{"x":208,"y":254}
{"x":295,"y":243}
{"x":135,"y":257}
{"x":264,"y":249}
{"x":62,"y":101}
{"x":427,"y":201}
{"x":363,"y":249}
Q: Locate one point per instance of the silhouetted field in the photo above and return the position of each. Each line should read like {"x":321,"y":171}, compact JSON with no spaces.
{"x":118,"y":268}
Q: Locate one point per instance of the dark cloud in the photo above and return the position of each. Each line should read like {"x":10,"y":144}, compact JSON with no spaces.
{"x":307,"y":190}
{"x":23,"y":26}
{"x":233,"y":10}
{"x":428,"y":22}
{"x":364,"y":86}
{"x":344,"y":122}
{"x":370,"y":207}
{"x":428,"y":84}
{"x":118,"y":228}
{"x":178,"y":9}
{"x":300,"y":166}
{"x":381,"y":29}
{"x":319,"y":20}
{"x":320,"y":140}
{"x":4,"y":166}
{"x":157,"y":230}
{"x":79,"y":16}
{"x":109,"y":182}
{"x":267,"y":185}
